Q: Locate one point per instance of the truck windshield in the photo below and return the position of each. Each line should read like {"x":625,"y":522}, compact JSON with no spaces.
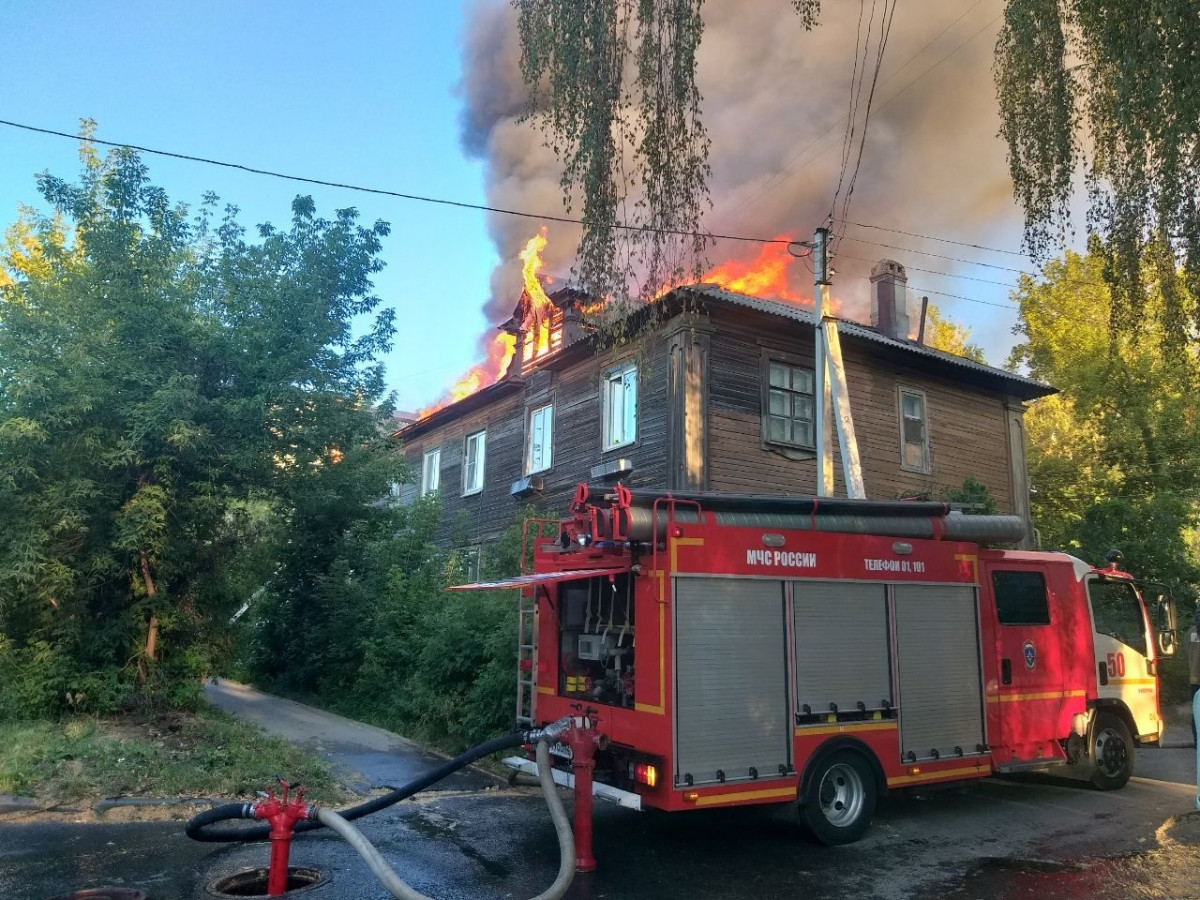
{"x":1118,"y":613}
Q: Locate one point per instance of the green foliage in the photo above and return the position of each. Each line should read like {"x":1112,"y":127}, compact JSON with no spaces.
{"x":950,"y":337}
{"x":1109,"y":86}
{"x":177,"y":404}
{"x":1113,"y":457}
{"x":379,"y":637}
{"x":174,"y":756}
{"x":613,"y":87}
{"x":973,"y":495}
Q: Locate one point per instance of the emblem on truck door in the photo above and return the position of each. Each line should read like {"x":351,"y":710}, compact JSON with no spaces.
{"x":1030,"y":653}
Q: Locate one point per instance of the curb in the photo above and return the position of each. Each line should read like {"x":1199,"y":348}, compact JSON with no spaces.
{"x":103,"y":806}
{"x":10,"y":803}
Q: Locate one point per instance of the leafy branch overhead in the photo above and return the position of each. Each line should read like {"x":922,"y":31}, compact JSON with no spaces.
{"x":1107,"y":91}
{"x":613,"y":88}
{"x":1109,"y":88}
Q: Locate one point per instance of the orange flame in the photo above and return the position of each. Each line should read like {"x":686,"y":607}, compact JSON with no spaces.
{"x":766,"y":276}
{"x":499,"y":355}
{"x":539,"y":304}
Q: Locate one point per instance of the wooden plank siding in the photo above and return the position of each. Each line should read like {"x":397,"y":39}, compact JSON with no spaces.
{"x":574,"y":389}
{"x":713,"y":410}
{"x":967,"y":428}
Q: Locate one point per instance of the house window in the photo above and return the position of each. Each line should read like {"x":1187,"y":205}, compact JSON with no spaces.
{"x":791,"y":406}
{"x":473,"y":459}
{"x":620,"y":406}
{"x":537,"y":452}
{"x":431,"y":471}
{"x":914,"y":432}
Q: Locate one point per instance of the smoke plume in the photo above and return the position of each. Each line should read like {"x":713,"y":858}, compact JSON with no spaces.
{"x":776,"y":100}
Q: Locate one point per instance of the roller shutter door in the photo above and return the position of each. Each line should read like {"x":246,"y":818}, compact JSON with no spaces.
{"x":730,"y":679}
{"x":842,"y":646}
{"x":938,"y":673}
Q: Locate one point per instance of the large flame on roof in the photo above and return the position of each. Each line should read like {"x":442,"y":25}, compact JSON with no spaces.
{"x":768,"y":275}
{"x":502,"y":349}
{"x":540,"y":307}
{"x":499,"y":355}
{"x":764,"y":276}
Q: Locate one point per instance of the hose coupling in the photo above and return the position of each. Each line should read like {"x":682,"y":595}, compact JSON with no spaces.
{"x":551,"y":734}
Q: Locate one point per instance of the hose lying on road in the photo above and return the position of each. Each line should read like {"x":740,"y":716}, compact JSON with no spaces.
{"x":198,"y":827}
{"x":402,"y":891}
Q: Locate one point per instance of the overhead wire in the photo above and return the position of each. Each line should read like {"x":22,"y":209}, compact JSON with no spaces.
{"x":927,"y":237}
{"x":886,"y":20}
{"x":459,"y":204}
{"x":564,"y":219}
{"x":788,"y":168}
{"x":855,"y":94}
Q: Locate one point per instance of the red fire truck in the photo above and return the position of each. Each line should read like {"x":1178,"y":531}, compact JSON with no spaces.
{"x":736,"y":649}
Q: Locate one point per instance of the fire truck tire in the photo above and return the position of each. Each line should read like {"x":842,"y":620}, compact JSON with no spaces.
{"x":843,"y":799}
{"x":1112,"y":752}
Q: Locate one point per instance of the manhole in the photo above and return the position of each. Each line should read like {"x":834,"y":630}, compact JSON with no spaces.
{"x":254,"y":883}
{"x":104,"y":894}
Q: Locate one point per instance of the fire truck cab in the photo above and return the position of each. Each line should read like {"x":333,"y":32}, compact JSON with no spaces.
{"x":746,"y":650}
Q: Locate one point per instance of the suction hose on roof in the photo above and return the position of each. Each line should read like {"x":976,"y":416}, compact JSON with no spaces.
{"x":399,"y":889}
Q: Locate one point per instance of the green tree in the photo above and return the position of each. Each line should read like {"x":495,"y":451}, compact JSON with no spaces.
{"x":1113,"y":457}
{"x":950,"y":337}
{"x":1102,"y":87}
{"x":1109,"y":88}
{"x":169,"y":393}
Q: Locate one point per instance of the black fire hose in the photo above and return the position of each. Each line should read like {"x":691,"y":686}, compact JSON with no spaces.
{"x":198,"y":827}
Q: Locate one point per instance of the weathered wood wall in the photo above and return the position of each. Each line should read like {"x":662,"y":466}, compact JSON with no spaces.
{"x":575,"y":391}
{"x":967,"y":428}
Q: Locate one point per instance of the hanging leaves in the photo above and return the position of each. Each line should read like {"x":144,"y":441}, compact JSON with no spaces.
{"x":1112,"y":86}
{"x":613,"y":87}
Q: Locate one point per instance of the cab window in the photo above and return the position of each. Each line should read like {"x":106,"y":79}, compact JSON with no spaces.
{"x":1020,"y":598}
{"x":1117,"y":612}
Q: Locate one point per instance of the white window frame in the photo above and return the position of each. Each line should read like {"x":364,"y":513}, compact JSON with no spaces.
{"x":619,"y":406}
{"x":473,"y":477}
{"x":431,"y":471}
{"x":925,"y":466}
{"x":539,"y":447}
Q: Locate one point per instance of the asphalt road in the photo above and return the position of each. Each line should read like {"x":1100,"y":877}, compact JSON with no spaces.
{"x":995,"y":839}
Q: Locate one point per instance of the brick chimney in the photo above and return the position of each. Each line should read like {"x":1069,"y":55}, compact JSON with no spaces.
{"x":889,"y":301}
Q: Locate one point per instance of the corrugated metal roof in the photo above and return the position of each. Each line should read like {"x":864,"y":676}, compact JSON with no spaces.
{"x":1029,"y":388}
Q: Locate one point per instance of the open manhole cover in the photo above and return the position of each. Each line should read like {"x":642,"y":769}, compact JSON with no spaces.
{"x":254,"y":883}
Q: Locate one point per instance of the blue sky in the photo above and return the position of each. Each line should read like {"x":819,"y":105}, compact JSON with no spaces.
{"x":367,"y":93}
{"x":366,"y":96}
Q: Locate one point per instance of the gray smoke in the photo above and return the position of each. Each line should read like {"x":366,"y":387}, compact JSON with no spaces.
{"x":775,"y":104}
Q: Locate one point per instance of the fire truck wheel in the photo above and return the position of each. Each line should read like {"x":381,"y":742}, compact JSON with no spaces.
{"x":1112,"y":752}
{"x":843,"y":799}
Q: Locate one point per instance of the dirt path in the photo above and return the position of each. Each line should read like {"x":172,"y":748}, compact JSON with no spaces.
{"x":364,"y":756}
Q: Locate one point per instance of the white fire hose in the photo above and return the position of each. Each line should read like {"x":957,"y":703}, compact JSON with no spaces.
{"x":400,"y":890}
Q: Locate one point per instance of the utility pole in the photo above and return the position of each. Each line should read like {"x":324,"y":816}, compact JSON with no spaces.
{"x":833,"y":399}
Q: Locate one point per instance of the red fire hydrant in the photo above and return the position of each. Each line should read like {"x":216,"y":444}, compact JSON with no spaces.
{"x":584,"y":740}
{"x":283,"y":814}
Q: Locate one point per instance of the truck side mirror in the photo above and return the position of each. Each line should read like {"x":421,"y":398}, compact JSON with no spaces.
{"x":1168,"y":630}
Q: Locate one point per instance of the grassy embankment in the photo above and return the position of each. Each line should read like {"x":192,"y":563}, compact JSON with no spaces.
{"x":205,"y":754}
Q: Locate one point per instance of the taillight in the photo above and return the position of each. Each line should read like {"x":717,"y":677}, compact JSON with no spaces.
{"x":645,"y":773}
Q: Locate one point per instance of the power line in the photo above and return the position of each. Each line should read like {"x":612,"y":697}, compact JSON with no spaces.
{"x":922,"y":290}
{"x":926,"y":237}
{"x":795,"y":158}
{"x":957,"y":259}
{"x":855,"y":94}
{"x":459,"y":204}
{"x":885,"y":23}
